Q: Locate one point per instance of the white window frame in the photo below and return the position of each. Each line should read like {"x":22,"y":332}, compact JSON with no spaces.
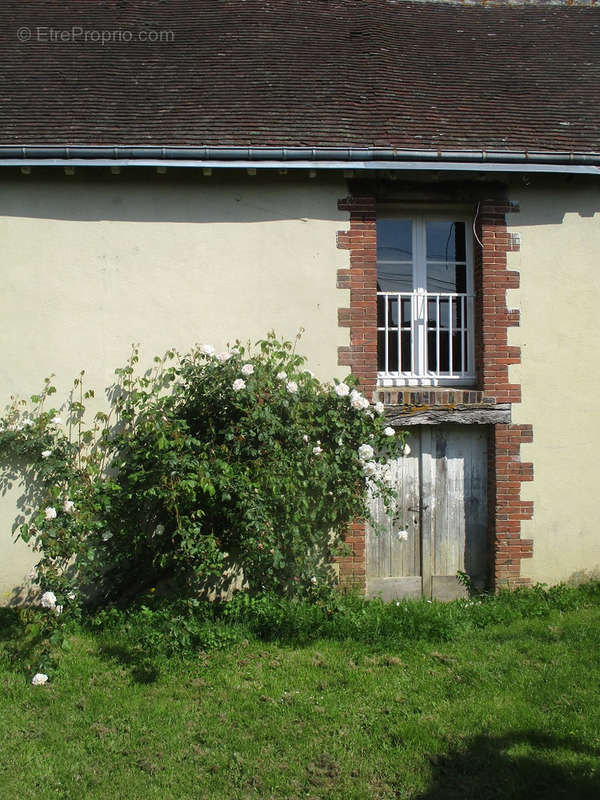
{"x":421,"y":375}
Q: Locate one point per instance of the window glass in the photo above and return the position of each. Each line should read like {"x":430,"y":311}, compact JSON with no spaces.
{"x":445,"y":241}
{"x":394,"y":240}
{"x":446,"y":277}
{"x":394,"y":255}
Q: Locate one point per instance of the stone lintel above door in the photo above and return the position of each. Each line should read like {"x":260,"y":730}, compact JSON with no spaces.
{"x":439,"y":414}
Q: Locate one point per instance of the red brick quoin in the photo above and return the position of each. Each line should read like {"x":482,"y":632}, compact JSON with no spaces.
{"x":493,"y":354}
{"x":361,"y":355}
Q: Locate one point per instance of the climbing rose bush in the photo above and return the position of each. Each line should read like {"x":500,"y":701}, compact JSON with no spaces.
{"x":209,"y":468}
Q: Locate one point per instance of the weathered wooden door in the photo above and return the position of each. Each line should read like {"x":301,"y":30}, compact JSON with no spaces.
{"x":442,"y":502}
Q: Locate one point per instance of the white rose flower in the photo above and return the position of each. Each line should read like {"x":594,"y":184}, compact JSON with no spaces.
{"x":317,"y":451}
{"x":387,"y":476}
{"x":71,"y":595}
{"x":370,"y":468}
{"x":207,"y":349}
{"x":406,"y":451}
{"x":48,"y":600}
{"x":58,"y":610}
{"x":68,"y":506}
{"x":379,"y":408}
{"x":159,"y":530}
{"x":358,"y":401}
{"x":238,"y":385}
{"x":365,"y":452}
{"x":342,"y":389}
{"x":292,"y":387}
{"x":39,"y":679}
{"x":389,"y":431}
{"x":313,"y":580}
{"x":402,"y":535}
{"x":50,"y":512}
{"x":46,"y":453}
{"x":223,"y":357}
{"x":106,"y":536}
{"x":305,"y":438}
{"x":281,"y":375}
{"x":56,"y":421}
{"x":247,"y":369}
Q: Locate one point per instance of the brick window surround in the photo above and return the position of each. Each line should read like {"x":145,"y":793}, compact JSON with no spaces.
{"x":493,"y":355}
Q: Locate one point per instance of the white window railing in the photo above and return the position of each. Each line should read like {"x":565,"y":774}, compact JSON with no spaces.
{"x":425,"y":337}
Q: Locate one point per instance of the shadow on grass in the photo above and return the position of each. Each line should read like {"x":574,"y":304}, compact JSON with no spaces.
{"x":142,"y":668}
{"x":513,"y":767}
{"x":11,"y":625}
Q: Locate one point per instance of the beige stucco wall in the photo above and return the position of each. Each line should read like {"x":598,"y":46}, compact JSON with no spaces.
{"x":93,"y":263}
{"x":559,"y":335}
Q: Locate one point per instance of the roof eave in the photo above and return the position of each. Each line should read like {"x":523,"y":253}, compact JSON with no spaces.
{"x":300,"y":158}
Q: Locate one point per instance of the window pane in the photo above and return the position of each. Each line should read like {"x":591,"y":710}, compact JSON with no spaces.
{"x":457,"y":312}
{"x":456,"y":353}
{"x":444,"y":365}
{"x":392,"y":343}
{"x":380,"y":312}
{"x":431,"y":313}
{"x":394,"y":244}
{"x":394,"y":240}
{"x":444,"y":312}
{"x":446,"y":241}
{"x":441,"y":278}
{"x":446,"y":278}
{"x":392,"y":312}
{"x":406,"y":339}
{"x":431,"y":352}
{"x":394,"y":278}
{"x":406,"y":304}
{"x":381,"y":351}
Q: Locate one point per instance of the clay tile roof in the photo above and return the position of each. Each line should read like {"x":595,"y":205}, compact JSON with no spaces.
{"x":351,"y":73}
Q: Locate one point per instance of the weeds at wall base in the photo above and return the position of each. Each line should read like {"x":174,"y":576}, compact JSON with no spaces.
{"x":142,"y":637}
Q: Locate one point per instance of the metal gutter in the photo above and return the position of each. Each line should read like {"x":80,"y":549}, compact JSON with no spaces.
{"x":301,"y":158}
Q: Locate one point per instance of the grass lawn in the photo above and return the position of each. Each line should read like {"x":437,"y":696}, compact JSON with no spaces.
{"x":507,"y":711}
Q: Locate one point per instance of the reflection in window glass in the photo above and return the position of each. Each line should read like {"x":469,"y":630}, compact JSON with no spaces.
{"x":394,"y":240}
{"x":394,"y":255}
{"x":445,"y":241}
{"x":394,"y":278}
{"x":446,"y":277}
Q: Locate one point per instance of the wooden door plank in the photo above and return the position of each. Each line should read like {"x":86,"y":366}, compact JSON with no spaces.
{"x":388,"y":555}
{"x":460,"y":525}
{"x":428,"y":507}
{"x":446,"y":587}
{"x":389,"y":589}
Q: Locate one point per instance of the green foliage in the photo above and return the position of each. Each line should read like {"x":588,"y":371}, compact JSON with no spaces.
{"x":183,"y":626}
{"x":33,"y":641}
{"x":350,"y":617}
{"x":206,"y":468}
